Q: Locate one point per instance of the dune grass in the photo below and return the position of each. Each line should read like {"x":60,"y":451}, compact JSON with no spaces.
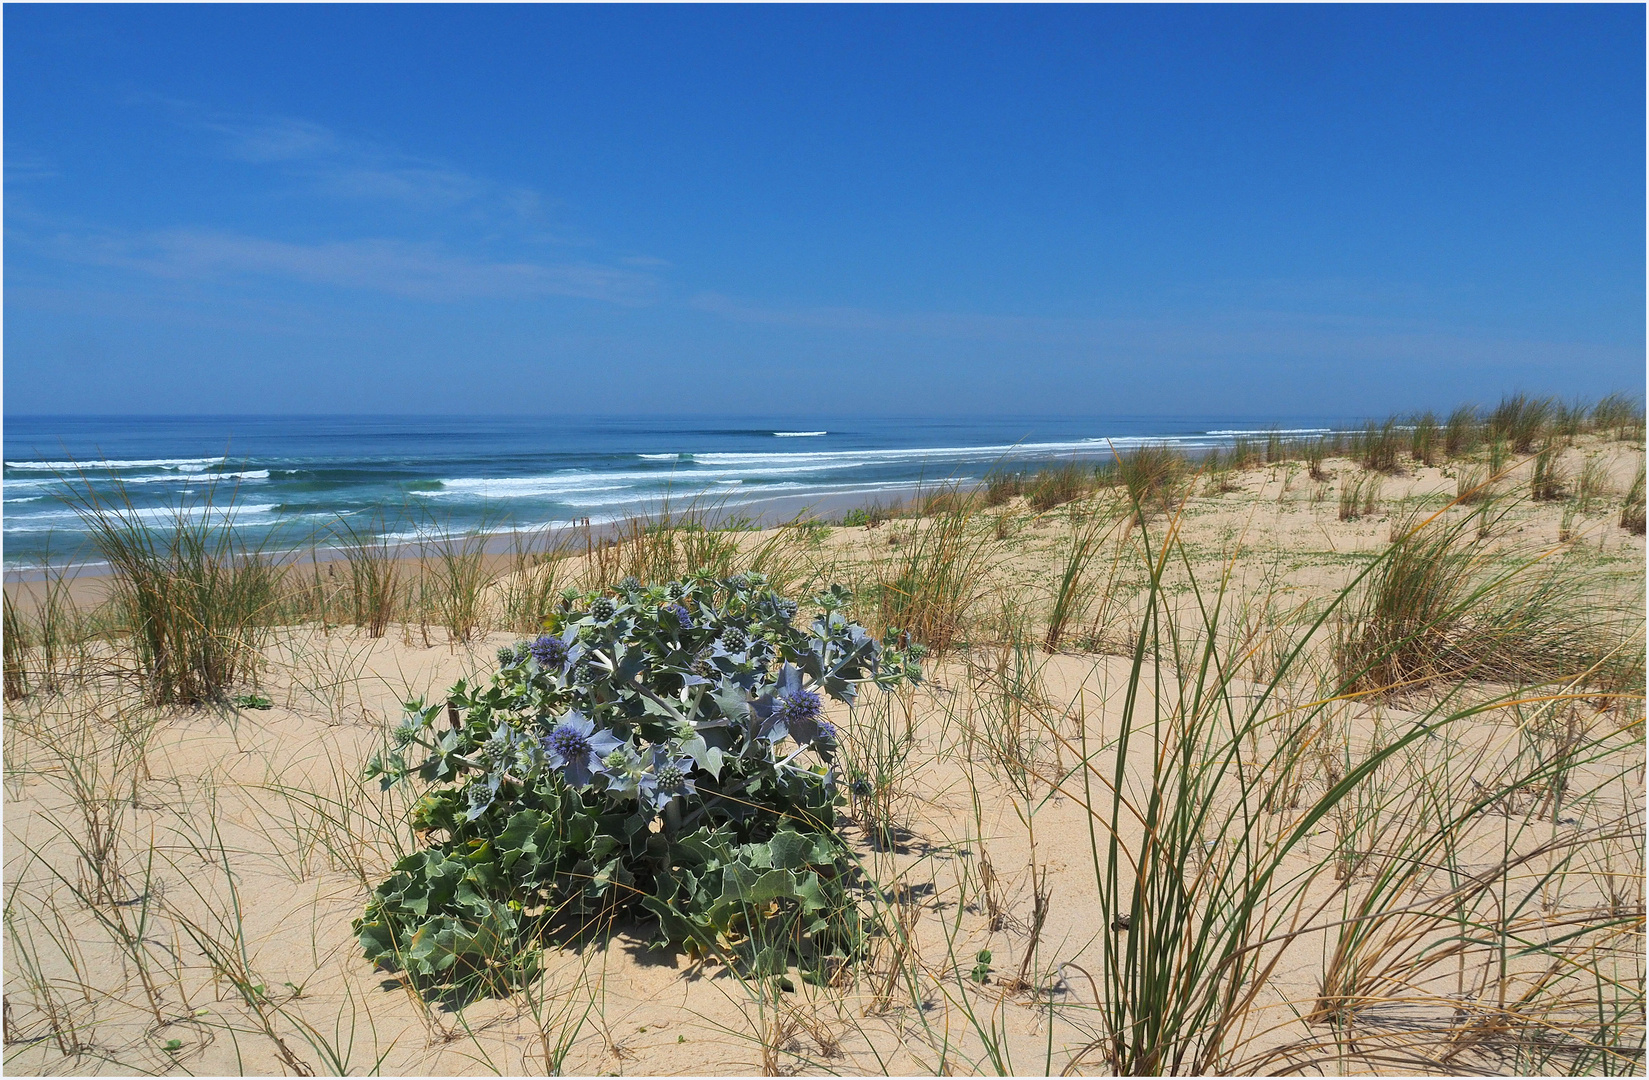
{"x":192,"y":590}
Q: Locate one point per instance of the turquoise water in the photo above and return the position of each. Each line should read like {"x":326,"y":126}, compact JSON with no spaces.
{"x":291,"y":479}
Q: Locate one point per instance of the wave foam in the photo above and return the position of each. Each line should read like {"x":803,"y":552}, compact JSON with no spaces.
{"x":181,"y":464}
{"x":1275,"y":431}
{"x":53,"y":519}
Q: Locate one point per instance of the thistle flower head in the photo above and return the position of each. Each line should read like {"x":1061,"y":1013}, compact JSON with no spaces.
{"x":799,"y":707}
{"x":550,"y":652}
{"x":575,"y":747}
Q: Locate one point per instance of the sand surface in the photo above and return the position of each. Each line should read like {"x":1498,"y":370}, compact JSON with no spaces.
{"x":242,"y":842}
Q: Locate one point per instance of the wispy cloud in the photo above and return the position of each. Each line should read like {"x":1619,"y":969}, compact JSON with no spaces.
{"x":268,"y":139}
{"x":403,"y":268}
{"x":22,"y":167}
{"x":333,"y":165}
{"x":493,"y":235}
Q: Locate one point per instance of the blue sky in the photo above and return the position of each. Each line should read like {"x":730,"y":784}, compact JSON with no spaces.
{"x":1064,"y":210}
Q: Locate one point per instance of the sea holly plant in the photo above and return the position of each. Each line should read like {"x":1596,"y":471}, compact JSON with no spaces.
{"x":662,"y":754}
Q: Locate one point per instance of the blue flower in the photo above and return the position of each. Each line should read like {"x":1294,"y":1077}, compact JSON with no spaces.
{"x":550,"y":652}
{"x":790,"y":710}
{"x":577,"y":749}
{"x":681,"y":614}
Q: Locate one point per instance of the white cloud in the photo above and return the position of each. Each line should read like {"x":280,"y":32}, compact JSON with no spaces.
{"x":274,"y":139}
{"x":336,"y":166}
{"x":398,"y":267}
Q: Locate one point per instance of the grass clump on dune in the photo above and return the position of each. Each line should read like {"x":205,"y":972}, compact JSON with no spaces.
{"x":1441,"y":606}
{"x":928,"y":590}
{"x":193,"y":593}
{"x":1632,"y":507}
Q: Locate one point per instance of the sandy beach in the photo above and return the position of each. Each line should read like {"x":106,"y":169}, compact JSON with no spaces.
{"x":239,"y":843}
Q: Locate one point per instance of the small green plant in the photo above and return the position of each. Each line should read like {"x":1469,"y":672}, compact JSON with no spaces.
{"x":868,"y":517}
{"x":981,"y":972}
{"x":663,"y":753}
{"x":252,"y":701}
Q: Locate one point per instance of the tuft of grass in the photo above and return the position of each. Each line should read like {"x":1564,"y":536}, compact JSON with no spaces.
{"x":14,"y":639}
{"x":1473,"y":485}
{"x":1378,"y":447}
{"x":1359,"y":496}
{"x":1461,"y":432}
{"x":373,"y":571}
{"x":1001,"y":487}
{"x":1592,"y":487}
{"x":194,"y":595}
{"x":931,"y":586}
{"x":1151,"y":476}
{"x":529,"y":588}
{"x":455,"y":577}
{"x":1313,"y":451}
{"x":1424,"y":438}
{"x":1521,"y":420}
{"x":1549,"y":480}
{"x":1056,"y":487}
{"x":1631,"y":508}
{"x":1075,"y":587}
{"x":1620,"y":416}
{"x":1438,"y":606}
{"x":1244,"y":454}
{"x":673,"y":544}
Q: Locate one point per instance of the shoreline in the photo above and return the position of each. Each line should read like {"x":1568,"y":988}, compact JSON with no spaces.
{"x":500,"y":543}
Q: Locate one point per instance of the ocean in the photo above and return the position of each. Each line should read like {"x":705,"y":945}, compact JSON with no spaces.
{"x":292,"y":479}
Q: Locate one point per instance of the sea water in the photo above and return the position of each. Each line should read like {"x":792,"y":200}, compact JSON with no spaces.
{"x":291,"y":480}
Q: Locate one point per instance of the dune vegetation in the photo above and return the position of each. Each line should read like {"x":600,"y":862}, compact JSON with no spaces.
{"x":1315,"y":755}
